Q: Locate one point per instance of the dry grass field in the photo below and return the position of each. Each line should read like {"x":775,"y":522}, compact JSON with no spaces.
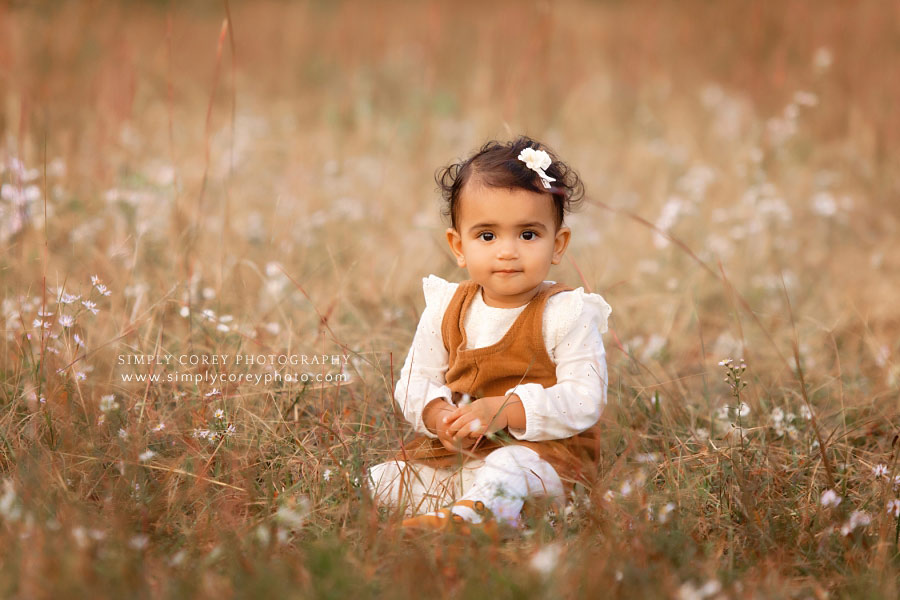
{"x":198,"y":179}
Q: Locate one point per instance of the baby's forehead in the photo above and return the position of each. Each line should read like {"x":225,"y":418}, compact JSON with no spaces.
{"x":505,"y":205}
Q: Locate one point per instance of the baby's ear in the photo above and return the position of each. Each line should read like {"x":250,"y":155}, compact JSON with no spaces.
{"x":455,"y":242}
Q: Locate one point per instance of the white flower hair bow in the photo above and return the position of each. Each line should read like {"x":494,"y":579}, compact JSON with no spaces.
{"x":537,"y":161}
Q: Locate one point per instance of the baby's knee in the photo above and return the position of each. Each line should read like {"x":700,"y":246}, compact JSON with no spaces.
{"x":512,"y":455}
{"x":381,"y":480}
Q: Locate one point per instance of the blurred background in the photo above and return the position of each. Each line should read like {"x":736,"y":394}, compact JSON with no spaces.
{"x":272,"y":165}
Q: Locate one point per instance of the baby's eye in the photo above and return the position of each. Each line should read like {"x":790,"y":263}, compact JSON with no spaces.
{"x":533,"y":235}
{"x":486,"y":239}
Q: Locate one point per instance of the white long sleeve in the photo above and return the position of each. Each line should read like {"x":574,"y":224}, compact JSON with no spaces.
{"x":575,"y":403}
{"x":572,"y":324}
{"x":422,"y":376}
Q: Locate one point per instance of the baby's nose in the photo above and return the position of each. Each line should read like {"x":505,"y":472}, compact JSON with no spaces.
{"x":506,"y":249}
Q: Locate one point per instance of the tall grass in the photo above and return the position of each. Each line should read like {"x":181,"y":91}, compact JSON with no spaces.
{"x":256,"y":179}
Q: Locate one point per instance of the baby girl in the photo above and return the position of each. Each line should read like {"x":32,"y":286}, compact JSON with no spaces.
{"x":506,"y":377}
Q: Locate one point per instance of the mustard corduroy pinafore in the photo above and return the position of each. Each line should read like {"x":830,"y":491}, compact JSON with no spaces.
{"x":519,"y":357}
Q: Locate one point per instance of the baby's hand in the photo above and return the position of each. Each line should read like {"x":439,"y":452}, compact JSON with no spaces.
{"x":482,"y":417}
{"x":435,"y":422}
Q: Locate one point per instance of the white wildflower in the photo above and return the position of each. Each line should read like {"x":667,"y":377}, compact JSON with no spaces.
{"x":66,"y":320}
{"x":743,"y":409}
{"x":880,"y":470}
{"x":146,"y":455}
{"x":159,"y":427}
{"x":78,"y":340}
{"x":858,"y":518}
{"x":893,"y":507}
{"x":219,"y":414}
{"x":108,"y":403}
{"x":545,"y":560}
{"x":66,"y":298}
{"x":139,"y":542}
{"x":829,"y":499}
{"x":822,"y":59}
{"x":665,"y":511}
{"x":688,"y":591}
{"x":123,"y":434}
{"x":806,"y":98}
{"x":214,"y":392}
{"x":91,"y":306}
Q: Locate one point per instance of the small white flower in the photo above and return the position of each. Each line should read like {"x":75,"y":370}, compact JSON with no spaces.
{"x":229,"y":431}
{"x":66,"y":298}
{"x":665,"y":510}
{"x":880,"y":470}
{"x":544,"y":561}
{"x":139,"y":542}
{"x":896,"y":483}
{"x":537,"y":161}
{"x":829,"y":499}
{"x":743,"y":409}
{"x":108,"y":403}
{"x":94,"y":280}
{"x":66,"y":320}
{"x":146,"y":455}
{"x":185,"y":311}
{"x":219,"y":414}
{"x":78,"y":340}
{"x":725,"y":362}
{"x":91,"y":306}
{"x":123,"y":434}
{"x":858,"y":518}
{"x":893,"y":507}
{"x":214,"y":392}
{"x":326,"y":474}
{"x":159,"y":427}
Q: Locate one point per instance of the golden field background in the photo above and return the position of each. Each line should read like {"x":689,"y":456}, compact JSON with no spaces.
{"x":267,"y":169}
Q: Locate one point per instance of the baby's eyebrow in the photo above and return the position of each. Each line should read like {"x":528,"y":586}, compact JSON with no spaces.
{"x":534,"y":224}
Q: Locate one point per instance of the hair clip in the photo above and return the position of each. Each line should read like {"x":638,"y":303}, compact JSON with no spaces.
{"x":537,"y":161}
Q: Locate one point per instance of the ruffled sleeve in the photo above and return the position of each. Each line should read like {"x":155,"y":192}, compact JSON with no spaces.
{"x":422,"y":378}
{"x":573,"y":323}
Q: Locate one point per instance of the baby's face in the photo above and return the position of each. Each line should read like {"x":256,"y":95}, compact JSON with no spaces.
{"x":506,"y":239}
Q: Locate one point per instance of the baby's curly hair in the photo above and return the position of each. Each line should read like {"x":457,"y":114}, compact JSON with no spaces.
{"x":497,"y":164}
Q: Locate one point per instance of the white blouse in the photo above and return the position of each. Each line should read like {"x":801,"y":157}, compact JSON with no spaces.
{"x":572,"y":323}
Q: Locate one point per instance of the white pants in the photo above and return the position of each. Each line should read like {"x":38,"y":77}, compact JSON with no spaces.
{"x":502,"y":480}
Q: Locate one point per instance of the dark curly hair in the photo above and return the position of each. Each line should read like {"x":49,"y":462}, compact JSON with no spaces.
{"x":497,"y":164}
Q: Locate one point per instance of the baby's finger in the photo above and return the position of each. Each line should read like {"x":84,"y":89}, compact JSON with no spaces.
{"x":457,"y":425}
{"x":450,"y":418}
{"x":470,"y":429}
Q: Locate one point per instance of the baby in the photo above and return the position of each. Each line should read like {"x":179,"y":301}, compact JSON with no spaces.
{"x":506,"y":377}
